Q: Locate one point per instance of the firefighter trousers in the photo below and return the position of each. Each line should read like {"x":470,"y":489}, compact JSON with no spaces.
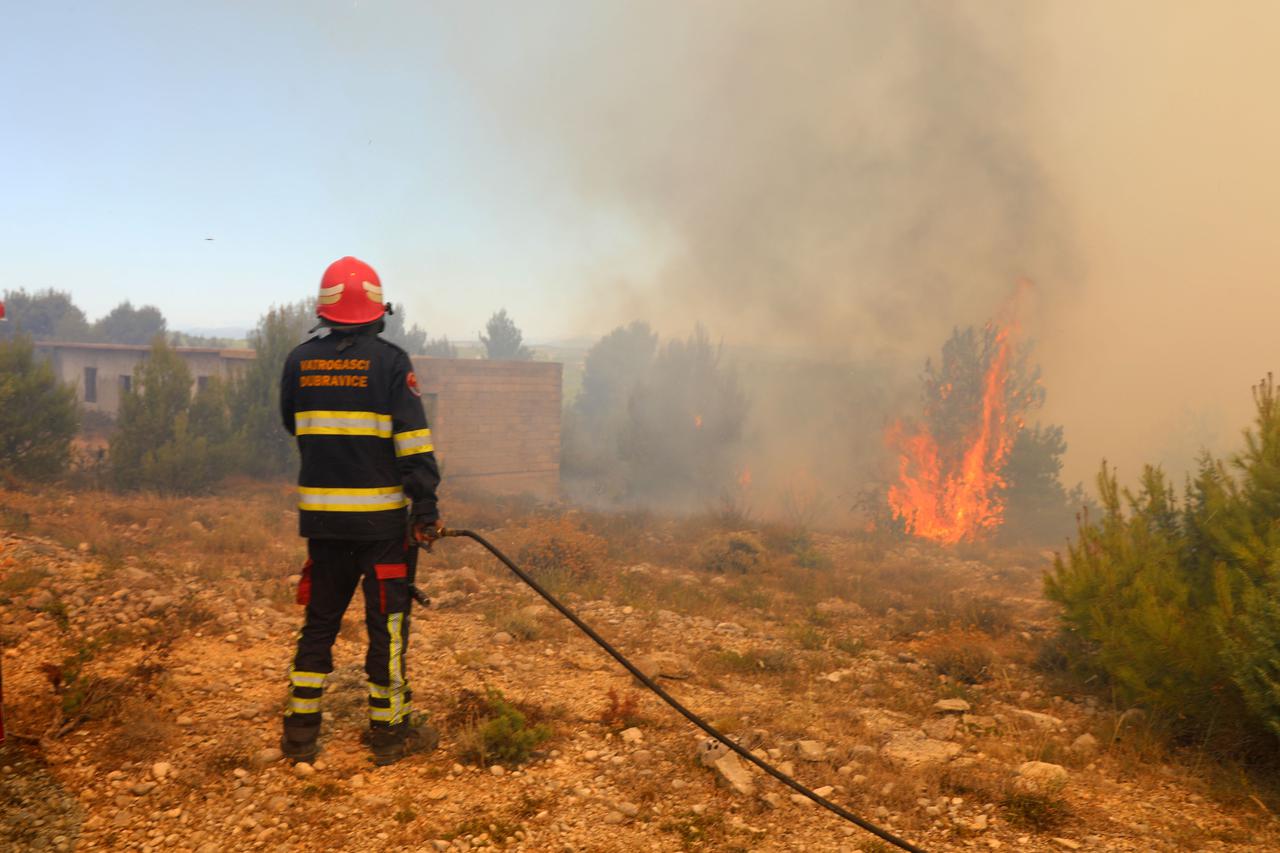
{"x":334,"y":568}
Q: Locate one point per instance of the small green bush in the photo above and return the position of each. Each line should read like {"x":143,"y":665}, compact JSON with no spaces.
{"x":1176,"y":603}
{"x":501,"y":735}
{"x":1035,"y":812}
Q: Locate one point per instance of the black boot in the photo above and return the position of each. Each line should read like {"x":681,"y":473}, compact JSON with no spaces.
{"x":300,"y":744}
{"x":392,"y":743}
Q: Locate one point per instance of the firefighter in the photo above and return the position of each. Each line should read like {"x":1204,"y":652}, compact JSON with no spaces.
{"x":366,"y":499}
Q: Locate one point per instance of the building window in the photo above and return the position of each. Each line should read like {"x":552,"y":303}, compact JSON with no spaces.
{"x":126,"y":384}
{"x":202,"y":382}
{"x":91,"y":384}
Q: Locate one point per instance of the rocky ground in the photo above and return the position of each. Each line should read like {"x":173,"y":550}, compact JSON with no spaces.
{"x":144,"y":686}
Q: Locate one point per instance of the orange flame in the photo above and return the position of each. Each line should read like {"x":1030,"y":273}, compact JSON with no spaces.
{"x":744,"y":480}
{"x":955,"y":497}
{"x":697,"y":421}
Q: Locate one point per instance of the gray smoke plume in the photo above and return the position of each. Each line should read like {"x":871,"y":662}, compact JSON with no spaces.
{"x":839,"y":176}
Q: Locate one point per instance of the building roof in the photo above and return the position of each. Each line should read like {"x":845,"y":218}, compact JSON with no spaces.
{"x":142,"y":348}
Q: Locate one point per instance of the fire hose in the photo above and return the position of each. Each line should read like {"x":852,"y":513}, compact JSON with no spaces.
{"x":662,"y":694}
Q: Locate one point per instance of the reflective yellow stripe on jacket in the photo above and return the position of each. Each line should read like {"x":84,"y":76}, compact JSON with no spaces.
{"x":414,"y":441}
{"x":342,"y":423}
{"x":351,"y":500}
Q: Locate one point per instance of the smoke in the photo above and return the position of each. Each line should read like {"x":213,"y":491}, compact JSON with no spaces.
{"x":830,"y":187}
{"x":839,"y":177}
{"x":845,"y":182}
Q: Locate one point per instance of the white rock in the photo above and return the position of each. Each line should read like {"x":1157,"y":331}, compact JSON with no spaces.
{"x":632,"y":735}
{"x":1085,"y":745}
{"x":267,"y":756}
{"x":951,"y":706}
{"x":810,"y":750}
{"x":160,"y":770}
{"x":913,"y":749}
{"x":303,"y":770}
{"x":1040,"y":778}
{"x":710,"y":751}
{"x":732,"y":772}
{"x":1044,"y":722}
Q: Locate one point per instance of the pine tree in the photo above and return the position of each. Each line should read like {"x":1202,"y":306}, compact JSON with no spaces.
{"x":504,"y":339}
{"x":254,"y":395}
{"x":152,"y":413}
{"x":38,"y":414}
{"x":1176,"y":604}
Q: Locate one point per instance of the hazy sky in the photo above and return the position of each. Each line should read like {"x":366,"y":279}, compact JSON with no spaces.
{"x":290,"y":132}
{"x":853,"y":175}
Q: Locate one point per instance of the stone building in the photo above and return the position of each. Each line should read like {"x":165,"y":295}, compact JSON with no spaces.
{"x":102,"y":373}
{"x":496,"y":424}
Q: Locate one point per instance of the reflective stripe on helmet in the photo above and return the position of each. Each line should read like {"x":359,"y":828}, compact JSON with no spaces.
{"x":342,"y":423}
{"x":351,"y":500}
{"x":415,"y":441}
{"x":350,"y":293}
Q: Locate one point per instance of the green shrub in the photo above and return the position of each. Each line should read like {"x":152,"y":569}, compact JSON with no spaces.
{"x":1035,"y":812}
{"x":1174,"y":602}
{"x":38,"y":414}
{"x":500,"y":734}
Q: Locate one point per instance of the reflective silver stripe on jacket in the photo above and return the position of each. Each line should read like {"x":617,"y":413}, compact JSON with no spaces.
{"x":342,"y":423}
{"x":416,"y":441}
{"x":351,"y":500}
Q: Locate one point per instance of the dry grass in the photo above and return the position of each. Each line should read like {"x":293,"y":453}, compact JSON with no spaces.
{"x":141,"y":730}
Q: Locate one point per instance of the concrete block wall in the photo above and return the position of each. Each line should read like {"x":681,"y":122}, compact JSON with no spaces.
{"x":496,"y":423}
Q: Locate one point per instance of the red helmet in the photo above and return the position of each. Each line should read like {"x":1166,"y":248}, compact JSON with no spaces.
{"x":350,"y":293}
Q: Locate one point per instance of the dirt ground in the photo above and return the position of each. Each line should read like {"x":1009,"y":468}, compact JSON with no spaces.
{"x":146,"y":645}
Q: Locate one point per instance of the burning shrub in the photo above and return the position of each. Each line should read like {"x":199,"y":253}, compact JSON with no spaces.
{"x":1173,"y":601}
{"x":972,"y":466}
{"x":732,"y":553}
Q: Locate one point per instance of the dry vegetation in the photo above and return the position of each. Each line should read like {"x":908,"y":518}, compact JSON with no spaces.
{"x":146,"y":642}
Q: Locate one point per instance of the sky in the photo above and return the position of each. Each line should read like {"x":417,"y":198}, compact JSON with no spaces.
{"x":844,"y":178}
{"x":290,"y":133}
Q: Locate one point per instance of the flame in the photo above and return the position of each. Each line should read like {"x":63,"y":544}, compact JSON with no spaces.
{"x":744,"y":480}
{"x":697,"y":421}
{"x":952,"y":497}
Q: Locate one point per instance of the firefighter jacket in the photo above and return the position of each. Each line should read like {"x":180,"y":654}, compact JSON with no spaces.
{"x":352,"y":400}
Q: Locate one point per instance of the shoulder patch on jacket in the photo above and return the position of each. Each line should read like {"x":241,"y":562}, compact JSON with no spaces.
{"x":412,"y":382}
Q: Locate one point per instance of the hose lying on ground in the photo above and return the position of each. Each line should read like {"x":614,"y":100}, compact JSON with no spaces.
{"x":675,"y":703}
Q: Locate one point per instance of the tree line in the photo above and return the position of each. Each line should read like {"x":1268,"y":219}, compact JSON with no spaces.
{"x":165,"y":437}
